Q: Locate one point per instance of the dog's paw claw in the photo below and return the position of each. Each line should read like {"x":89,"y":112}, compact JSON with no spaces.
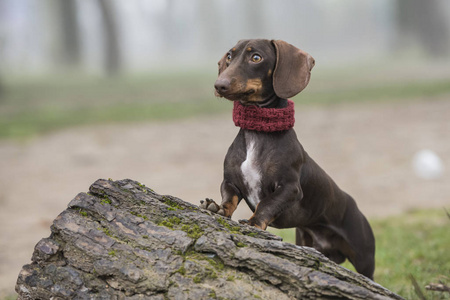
{"x":204,"y":203}
{"x":210,"y":205}
{"x":213,"y":207}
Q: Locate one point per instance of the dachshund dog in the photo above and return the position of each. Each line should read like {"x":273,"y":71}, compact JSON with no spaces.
{"x":267,"y":166}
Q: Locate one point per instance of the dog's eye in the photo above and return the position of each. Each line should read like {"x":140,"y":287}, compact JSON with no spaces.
{"x":256,"y":58}
{"x":228,"y":57}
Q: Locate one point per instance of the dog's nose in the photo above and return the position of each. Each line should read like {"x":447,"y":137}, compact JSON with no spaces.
{"x":222,"y":85}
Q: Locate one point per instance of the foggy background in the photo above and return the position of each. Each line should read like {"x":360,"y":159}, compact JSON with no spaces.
{"x":110,"y":37}
{"x":124,"y":89}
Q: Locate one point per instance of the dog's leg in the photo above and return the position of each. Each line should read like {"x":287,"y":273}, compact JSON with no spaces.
{"x":360,"y":239}
{"x":272,"y":206}
{"x":364,"y":265}
{"x":303,"y":238}
{"x":364,"y":247}
{"x":230,"y":201}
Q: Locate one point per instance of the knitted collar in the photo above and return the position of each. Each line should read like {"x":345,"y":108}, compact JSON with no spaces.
{"x":257,"y":118}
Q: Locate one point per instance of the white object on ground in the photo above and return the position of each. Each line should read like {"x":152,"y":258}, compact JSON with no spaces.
{"x":427,"y":164}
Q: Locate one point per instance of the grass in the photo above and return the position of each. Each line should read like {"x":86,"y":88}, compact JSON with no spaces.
{"x":34,"y":106}
{"x":386,"y":92}
{"x":415,"y":243}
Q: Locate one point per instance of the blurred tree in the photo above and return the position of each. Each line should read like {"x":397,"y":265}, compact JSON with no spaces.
{"x":423,"y":21}
{"x":69,"y":34}
{"x":1,"y":85}
{"x":111,"y":48}
{"x":2,"y":48}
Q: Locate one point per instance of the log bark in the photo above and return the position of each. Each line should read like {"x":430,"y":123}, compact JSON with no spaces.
{"x":121,"y":240}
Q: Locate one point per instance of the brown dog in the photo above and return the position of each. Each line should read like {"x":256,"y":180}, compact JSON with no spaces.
{"x":268,"y":167}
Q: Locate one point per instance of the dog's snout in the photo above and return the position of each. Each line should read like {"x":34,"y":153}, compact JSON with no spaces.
{"x":222,"y":85}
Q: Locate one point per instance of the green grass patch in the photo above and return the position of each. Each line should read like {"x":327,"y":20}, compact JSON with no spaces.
{"x":381,"y":92}
{"x":30,"y":107}
{"x":415,"y":243}
{"x":34,"y":106}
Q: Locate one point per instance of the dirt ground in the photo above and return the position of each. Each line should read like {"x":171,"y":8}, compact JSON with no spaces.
{"x":366,"y":148}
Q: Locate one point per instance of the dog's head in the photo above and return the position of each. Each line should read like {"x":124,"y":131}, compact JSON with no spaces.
{"x":256,"y":70}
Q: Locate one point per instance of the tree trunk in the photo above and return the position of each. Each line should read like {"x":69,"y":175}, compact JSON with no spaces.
{"x":122,"y":240}
{"x":111,"y":48}
{"x":424,"y":22}
{"x":69,"y":33}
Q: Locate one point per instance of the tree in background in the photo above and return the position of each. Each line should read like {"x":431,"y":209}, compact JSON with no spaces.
{"x":111,"y":47}
{"x":423,"y":22}
{"x":69,"y":39}
{"x":113,"y":35}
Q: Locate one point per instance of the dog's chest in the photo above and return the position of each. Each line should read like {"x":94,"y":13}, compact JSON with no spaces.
{"x":251,"y":173}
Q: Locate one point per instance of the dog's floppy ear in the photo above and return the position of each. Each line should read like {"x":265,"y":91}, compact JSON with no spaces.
{"x":292,"y":69}
{"x":222,"y":63}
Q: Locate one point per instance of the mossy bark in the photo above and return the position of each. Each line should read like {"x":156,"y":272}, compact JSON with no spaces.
{"x":123,"y":241}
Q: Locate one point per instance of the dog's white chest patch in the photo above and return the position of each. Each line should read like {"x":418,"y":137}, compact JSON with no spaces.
{"x":252,"y":175}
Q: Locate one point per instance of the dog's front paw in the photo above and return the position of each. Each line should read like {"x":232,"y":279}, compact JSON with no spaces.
{"x":243,"y":222}
{"x":251,"y":222}
{"x":212,"y":206}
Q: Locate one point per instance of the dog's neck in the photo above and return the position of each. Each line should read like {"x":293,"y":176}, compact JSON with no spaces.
{"x":273,"y":102}
{"x":265,"y":119}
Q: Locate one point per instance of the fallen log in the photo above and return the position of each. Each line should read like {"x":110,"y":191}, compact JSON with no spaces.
{"x":121,"y":240}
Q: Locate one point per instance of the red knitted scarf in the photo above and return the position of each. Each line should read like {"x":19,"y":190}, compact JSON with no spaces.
{"x":257,"y":118}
